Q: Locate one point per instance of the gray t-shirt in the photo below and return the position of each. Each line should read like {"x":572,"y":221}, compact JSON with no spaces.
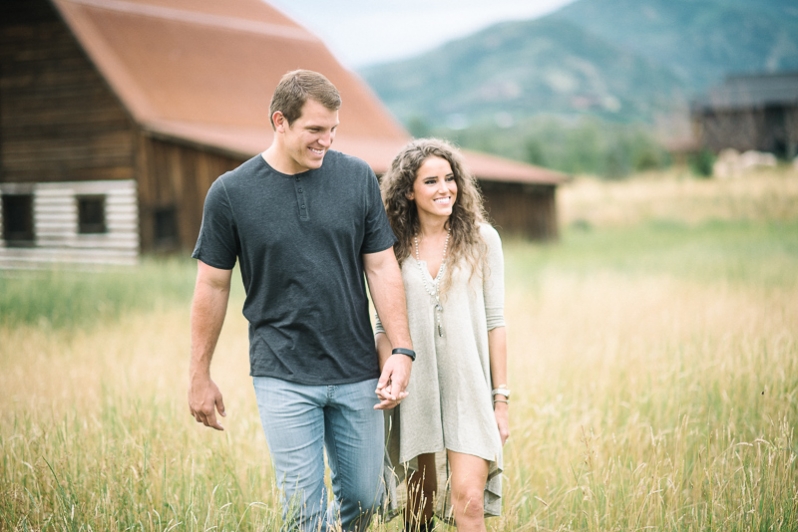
{"x":300,"y":240}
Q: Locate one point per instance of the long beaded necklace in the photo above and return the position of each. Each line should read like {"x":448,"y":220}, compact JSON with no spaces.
{"x":434,"y":289}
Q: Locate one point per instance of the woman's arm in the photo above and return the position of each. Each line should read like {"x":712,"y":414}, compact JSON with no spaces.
{"x":493,"y":289}
{"x":497,"y":346}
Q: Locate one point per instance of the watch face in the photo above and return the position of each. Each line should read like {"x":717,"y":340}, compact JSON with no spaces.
{"x":502,"y":391}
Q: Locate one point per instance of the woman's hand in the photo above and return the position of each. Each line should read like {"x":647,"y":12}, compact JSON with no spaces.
{"x":502,"y":412}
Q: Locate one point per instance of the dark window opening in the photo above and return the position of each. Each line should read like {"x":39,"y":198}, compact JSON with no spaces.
{"x":18,"y":220}
{"x":91,"y":215}
{"x":165,"y":227}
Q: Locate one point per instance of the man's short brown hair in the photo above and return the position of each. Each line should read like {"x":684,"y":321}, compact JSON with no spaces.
{"x":296,"y":87}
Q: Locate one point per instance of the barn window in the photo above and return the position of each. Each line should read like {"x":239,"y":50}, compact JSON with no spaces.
{"x":18,"y":219}
{"x":91,"y":215}
{"x":165,"y":227}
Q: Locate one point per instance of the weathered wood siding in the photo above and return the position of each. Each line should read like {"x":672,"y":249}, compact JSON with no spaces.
{"x":59,"y":120}
{"x":772,"y":129}
{"x":56,"y":235}
{"x":522,"y":210}
{"x":177,"y":177}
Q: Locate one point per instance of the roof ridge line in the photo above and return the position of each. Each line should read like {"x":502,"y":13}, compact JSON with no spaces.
{"x":216,"y":21}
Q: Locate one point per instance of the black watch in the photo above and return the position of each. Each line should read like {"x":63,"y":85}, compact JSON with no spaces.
{"x":403,"y":351}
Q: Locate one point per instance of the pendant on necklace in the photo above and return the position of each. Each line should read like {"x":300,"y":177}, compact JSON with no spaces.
{"x":433,"y":290}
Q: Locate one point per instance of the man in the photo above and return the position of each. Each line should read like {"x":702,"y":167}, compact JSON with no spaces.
{"x":305,"y":233}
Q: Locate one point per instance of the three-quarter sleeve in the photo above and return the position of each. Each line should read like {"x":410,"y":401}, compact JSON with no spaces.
{"x":493,"y":277}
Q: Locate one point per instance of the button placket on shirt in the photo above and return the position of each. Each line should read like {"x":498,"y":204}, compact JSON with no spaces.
{"x":301,"y":200}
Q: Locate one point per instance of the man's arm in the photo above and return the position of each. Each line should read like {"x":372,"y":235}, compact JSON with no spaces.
{"x":208,"y":309}
{"x":388,"y":295}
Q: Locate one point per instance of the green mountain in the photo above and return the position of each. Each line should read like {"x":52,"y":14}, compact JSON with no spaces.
{"x":623,"y":60}
{"x":701,"y":41}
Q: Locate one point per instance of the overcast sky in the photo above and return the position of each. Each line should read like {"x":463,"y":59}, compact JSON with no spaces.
{"x":364,"y":32}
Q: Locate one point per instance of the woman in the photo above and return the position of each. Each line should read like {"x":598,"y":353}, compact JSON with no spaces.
{"x":455,"y":416}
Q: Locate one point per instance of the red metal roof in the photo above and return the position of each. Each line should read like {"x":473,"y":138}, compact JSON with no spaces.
{"x":202,"y":71}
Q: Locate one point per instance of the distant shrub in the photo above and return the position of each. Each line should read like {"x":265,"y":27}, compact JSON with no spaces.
{"x":580,"y":224}
{"x":618,"y":163}
{"x":651,"y":159}
{"x":701,"y":163}
{"x":418,"y":127}
{"x":535,"y":152}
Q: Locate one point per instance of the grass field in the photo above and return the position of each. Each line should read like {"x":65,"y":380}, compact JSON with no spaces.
{"x":653,"y":362}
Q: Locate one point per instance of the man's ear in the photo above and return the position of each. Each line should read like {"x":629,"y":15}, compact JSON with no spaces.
{"x":279,"y":120}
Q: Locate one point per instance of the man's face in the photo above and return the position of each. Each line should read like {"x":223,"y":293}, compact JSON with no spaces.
{"x":310,"y":136}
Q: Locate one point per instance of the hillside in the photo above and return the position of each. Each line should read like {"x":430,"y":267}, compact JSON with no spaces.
{"x":522,"y":68}
{"x":700,"y":42}
{"x":623,"y":60}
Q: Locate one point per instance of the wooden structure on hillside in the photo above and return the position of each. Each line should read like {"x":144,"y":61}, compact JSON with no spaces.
{"x":750,"y":112}
{"x":117,"y":115}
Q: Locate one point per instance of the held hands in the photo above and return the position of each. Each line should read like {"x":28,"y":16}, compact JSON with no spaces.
{"x":393,"y":381}
{"x":204,"y":399}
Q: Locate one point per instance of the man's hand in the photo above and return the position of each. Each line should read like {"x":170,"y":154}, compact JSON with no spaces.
{"x":502,"y":413}
{"x":388,"y":295}
{"x":204,"y":399}
{"x":208,"y":308}
{"x":393,"y":381}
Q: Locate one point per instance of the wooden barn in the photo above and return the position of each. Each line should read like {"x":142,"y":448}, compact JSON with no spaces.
{"x":750,"y":112}
{"x":117,"y":115}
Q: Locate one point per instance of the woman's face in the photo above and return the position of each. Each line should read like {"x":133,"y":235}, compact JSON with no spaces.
{"x":435,"y":189}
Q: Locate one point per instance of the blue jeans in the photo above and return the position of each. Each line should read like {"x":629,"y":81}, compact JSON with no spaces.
{"x":300,"y":422}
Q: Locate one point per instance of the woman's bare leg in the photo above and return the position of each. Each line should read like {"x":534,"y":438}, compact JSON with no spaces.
{"x":421,"y":488}
{"x":469,"y":476}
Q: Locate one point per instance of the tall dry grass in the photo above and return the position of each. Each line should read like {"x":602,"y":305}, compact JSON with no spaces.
{"x":96,"y":432}
{"x":766,"y":194}
{"x":653,"y":402}
{"x":653,"y":361}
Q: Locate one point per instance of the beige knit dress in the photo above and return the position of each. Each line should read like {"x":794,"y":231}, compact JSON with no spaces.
{"x":449,"y":405}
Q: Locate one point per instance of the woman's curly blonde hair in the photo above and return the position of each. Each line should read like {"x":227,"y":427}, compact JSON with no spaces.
{"x":467,"y":212}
